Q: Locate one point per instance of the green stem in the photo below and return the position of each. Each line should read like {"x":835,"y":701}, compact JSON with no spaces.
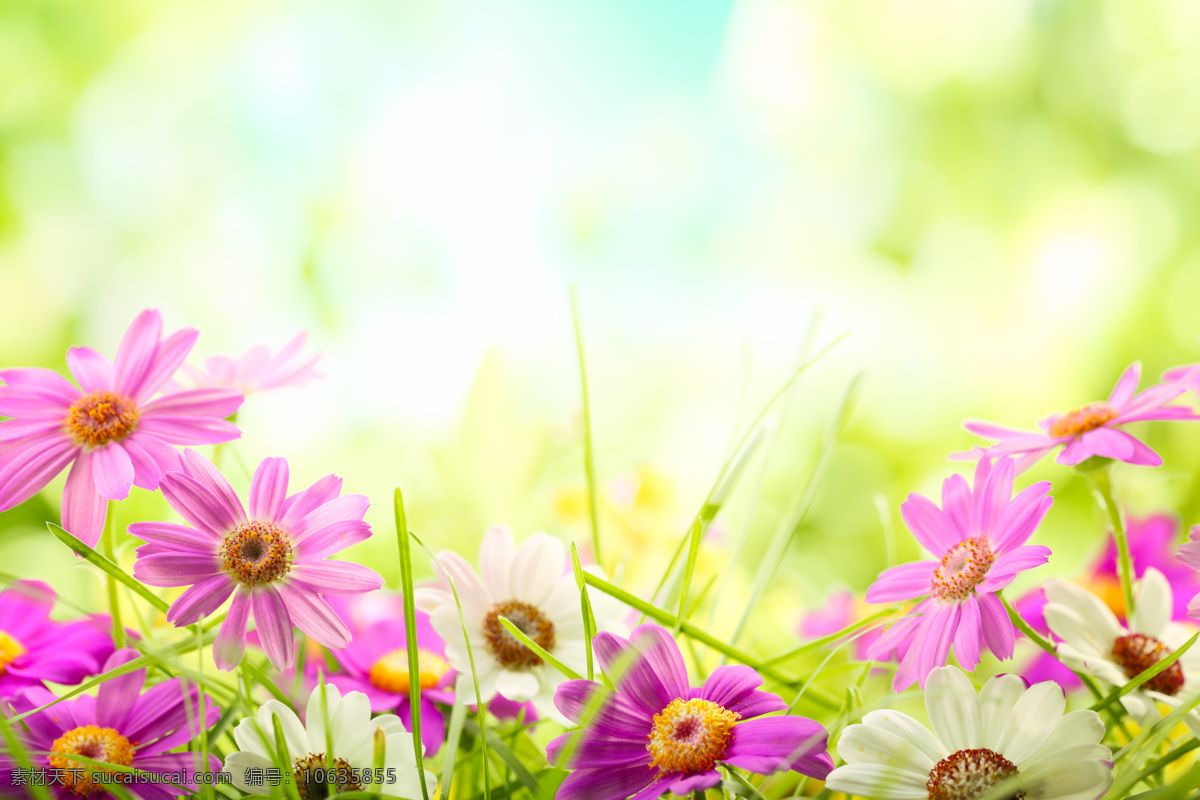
{"x":1103,"y":485}
{"x":114,"y":601}
{"x":589,"y":452}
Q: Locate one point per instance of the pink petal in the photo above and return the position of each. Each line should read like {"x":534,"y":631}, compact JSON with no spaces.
{"x":136,"y":352}
{"x":991,"y":497}
{"x":268,"y":489}
{"x":174,"y":568}
{"x":935,"y":643}
{"x":211,"y":479}
{"x":90,"y":369}
{"x":312,"y":614}
{"x":40,"y":382}
{"x":83,"y":509}
{"x":146,"y":473}
{"x":928,"y":524}
{"x":997,"y":627}
{"x":200,"y":507}
{"x":231,"y":638}
{"x":1021,"y":517}
{"x":330,"y":540}
{"x":1142,"y":455}
{"x":112,"y":470}
{"x":30,"y":465}
{"x":300,"y":504}
{"x":1019,"y":560}
{"x":200,"y":600}
{"x":347,"y":507}
{"x":903,"y":582}
{"x":116,"y":696}
{"x":336,"y":577}
{"x":167,"y":361}
{"x":13,"y":429}
{"x":187,"y":430}
{"x":956,"y":502}
{"x":968,"y":639}
{"x":1075,"y":452}
{"x":217,"y":402}
{"x":274,"y":627}
{"x":1126,"y":386}
{"x":1109,"y":442}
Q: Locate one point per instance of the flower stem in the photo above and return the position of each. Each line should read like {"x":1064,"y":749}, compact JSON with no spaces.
{"x":1103,"y":485}
{"x":114,"y":602}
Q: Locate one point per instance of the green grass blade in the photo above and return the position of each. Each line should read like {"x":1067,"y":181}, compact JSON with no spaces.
{"x":410,"y":632}
{"x":537,"y":649}
{"x":589,"y":451}
{"x":585,"y":604}
{"x":689,"y":568}
{"x":1144,"y":676}
{"x":111,"y":569}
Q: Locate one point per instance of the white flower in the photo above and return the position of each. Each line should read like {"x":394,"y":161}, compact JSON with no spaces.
{"x":352,"y":735}
{"x":534,"y":588}
{"x":1093,"y":641}
{"x":1008,"y":734}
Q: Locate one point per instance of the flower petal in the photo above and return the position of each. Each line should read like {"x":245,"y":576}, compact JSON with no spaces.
{"x":274,"y":627}
{"x":953,"y":709}
{"x":929,"y":525}
{"x":200,"y":600}
{"x":91,"y":370}
{"x":83,"y":509}
{"x":902,"y":582}
{"x":230,"y":644}
{"x":312,"y":614}
{"x":112,"y":471}
{"x":268,"y":489}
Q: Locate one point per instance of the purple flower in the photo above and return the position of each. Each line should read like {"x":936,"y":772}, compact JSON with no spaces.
{"x":1089,"y":430}
{"x":122,"y":726}
{"x":34,"y":648}
{"x":376,"y":664}
{"x":110,"y":429}
{"x":274,"y":561}
{"x":980,"y":539}
{"x":657,"y":733}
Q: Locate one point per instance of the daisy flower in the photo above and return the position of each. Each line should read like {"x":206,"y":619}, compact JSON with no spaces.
{"x":273,"y":561}
{"x":1093,"y":641}
{"x":979,"y":537}
{"x":376,"y":664}
{"x":351,"y":730}
{"x":656,"y":732}
{"x":34,"y":648}
{"x":1089,"y":430}
{"x":257,"y":370}
{"x":533,"y":588}
{"x":109,"y":429}
{"x":122,"y":726}
{"x":1010,"y":735}
{"x":1151,"y":545}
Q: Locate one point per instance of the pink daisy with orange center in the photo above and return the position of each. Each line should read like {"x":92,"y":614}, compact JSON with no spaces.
{"x":111,"y":428}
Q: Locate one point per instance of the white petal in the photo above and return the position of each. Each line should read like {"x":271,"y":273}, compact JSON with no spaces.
{"x":351,"y":726}
{"x":1069,"y":755}
{"x":476,"y":600}
{"x":1097,"y":617}
{"x":1152,"y":611}
{"x":996,"y":701}
{"x":1077,"y":728}
{"x":867,"y":744}
{"x":257,"y":734}
{"x":953,"y":708}
{"x":517,"y":686}
{"x":537,"y":568}
{"x":1141,"y":708}
{"x":878,"y":781}
{"x":496,"y":553}
{"x":1032,"y":719}
{"x":465,"y":687}
{"x":1076,"y":780}
{"x":908,"y":729}
{"x":315,"y":720}
{"x":237,"y":764}
{"x":1074,"y":628}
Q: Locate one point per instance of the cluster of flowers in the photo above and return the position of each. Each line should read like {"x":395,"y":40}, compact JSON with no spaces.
{"x":512,"y":635}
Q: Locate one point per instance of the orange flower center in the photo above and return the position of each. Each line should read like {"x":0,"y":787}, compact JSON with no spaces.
{"x":690,"y":735}
{"x":256,"y":553}
{"x":1135,"y":653}
{"x":390,"y":673}
{"x":971,"y":774}
{"x":10,"y":650}
{"x":507,"y":648}
{"x":101,"y":417}
{"x":96,"y":743}
{"x":962,"y":569}
{"x":1079,"y":421}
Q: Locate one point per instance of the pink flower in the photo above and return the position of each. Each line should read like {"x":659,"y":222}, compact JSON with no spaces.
{"x":274,"y":561}
{"x":115,"y":435}
{"x":257,"y":369}
{"x":980,"y":537}
{"x":842,"y":609}
{"x":1090,"y":430}
{"x":376,"y":664}
{"x":1189,"y":554}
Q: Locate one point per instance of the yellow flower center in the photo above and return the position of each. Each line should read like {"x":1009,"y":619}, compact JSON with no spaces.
{"x":101,"y":417}
{"x":390,"y":673}
{"x":90,"y":741}
{"x":690,"y":735}
{"x":256,"y":553}
{"x":962,"y":569}
{"x":10,"y":650}
{"x":1079,"y":421}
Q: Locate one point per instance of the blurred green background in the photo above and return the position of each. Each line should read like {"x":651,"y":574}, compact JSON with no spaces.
{"x":992,"y":197}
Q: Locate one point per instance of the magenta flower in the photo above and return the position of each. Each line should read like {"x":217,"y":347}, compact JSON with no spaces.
{"x":657,"y":733}
{"x":257,"y":370}
{"x":1189,"y":554}
{"x":980,"y":538}
{"x":122,"y":726}
{"x":274,"y":562}
{"x":1090,"y":430}
{"x":376,"y":664}
{"x":115,"y":435}
{"x":34,"y":648}
{"x":842,"y":609}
